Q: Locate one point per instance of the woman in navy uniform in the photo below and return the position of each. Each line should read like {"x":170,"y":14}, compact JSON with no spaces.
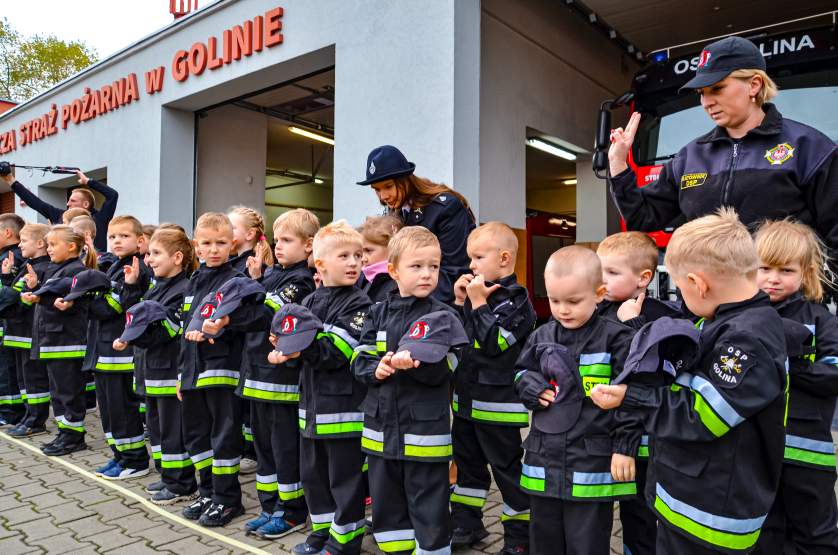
{"x":419,"y":201}
{"x":755,"y":161}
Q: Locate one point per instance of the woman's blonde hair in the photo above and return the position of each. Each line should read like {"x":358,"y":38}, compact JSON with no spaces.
{"x":69,"y":235}
{"x":254,"y":220}
{"x":769,"y":88}
{"x":173,"y":240}
{"x":784,"y":242}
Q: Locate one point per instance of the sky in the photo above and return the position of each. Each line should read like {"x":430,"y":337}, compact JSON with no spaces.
{"x":105,"y":25}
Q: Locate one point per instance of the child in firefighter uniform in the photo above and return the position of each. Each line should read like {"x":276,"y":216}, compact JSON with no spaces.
{"x":208,"y":379}
{"x":804,"y":512}
{"x":13,"y":407}
{"x":578,"y":459}
{"x":31,"y":373}
{"x":488,"y":415}
{"x":718,"y":431}
{"x":329,"y":418}
{"x":153,"y":328}
{"x":406,"y":361}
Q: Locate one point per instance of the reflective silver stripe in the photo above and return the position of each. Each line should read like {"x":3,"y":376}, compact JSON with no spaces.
{"x":275,"y":387}
{"x":115,"y":296}
{"x":509,"y":511}
{"x":594,"y":358}
{"x":593,"y":478}
{"x":266,"y":479}
{"x":201,"y":456}
{"x":471,"y":492}
{"x":218,"y":374}
{"x":301,"y":413}
{"x":334,"y":418}
{"x":161,"y":383}
{"x":174,"y":325}
{"x":824,"y":360}
{"x":712,"y":396}
{"x":220,"y":463}
{"x":37,"y":395}
{"x":342,"y":333}
{"x":825,"y":447}
{"x":364,"y":347}
{"x":274,"y":298}
{"x":123,"y":441}
{"x":155,"y":449}
{"x":70,"y":423}
{"x":381,"y":335}
{"x":726,"y":524}
{"x":188,"y":300}
{"x":429,"y":441}
{"x":373,"y":435}
{"x":288,"y":488}
{"x":322,"y":518}
{"x":394,"y":536}
{"x":10,"y":397}
{"x":533,"y":471}
{"x":811,"y":328}
{"x":644,"y":439}
{"x":175,"y":457}
{"x":498,"y":407}
{"x":507,"y":335}
{"x":18,"y":338}
{"x":63,"y":348}
{"x":453,"y":361}
{"x":346,"y":528}
{"x":116,"y":360}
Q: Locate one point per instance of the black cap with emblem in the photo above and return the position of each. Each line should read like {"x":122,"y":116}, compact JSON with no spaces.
{"x":723,"y":57}
{"x":386,"y":162}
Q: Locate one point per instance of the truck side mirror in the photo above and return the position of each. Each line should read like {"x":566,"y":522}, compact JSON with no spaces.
{"x":603,"y":129}
{"x":600,"y":163}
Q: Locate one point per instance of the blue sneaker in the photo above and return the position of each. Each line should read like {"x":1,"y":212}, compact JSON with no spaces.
{"x":258,"y":522}
{"x":118,"y":472}
{"x":277,"y":527}
{"x":105,"y":467}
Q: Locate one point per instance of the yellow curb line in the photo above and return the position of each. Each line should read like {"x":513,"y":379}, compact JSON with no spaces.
{"x":128,"y":493}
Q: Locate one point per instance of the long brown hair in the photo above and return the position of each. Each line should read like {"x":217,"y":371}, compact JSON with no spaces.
{"x":420,"y":192}
{"x":173,"y":240}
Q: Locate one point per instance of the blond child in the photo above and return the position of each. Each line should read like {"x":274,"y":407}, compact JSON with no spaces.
{"x":377,"y":232}
{"x":13,"y":409}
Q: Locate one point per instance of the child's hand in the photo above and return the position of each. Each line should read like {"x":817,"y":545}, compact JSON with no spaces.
{"x":622,"y":468}
{"x":547,"y":397}
{"x":8,"y":263}
{"x":384,"y":370}
{"x":631,"y":308}
{"x":132,"y":272}
{"x":31,"y":278}
{"x":402,"y":361}
{"x":478,"y":292}
{"x":214,"y":327}
{"x":88,"y":242}
{"x":62,"y":305}
{"x":119,"y":345}
{"x":272,"y":339}
{"x":254,"y":266}
{"x":608,"y":396}
{"x":197,"y":337}
{"x":460,"y":291}
{"x":277,"y":357}
{"x":177,"y":391}
{"x":30,"y":298}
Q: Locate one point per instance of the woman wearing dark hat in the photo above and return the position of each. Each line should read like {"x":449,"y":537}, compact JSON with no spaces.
{"x":756,"y":161}
{"x":419,"y":201}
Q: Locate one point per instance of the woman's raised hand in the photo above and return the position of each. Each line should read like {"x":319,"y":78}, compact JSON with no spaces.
{"x":621,"y":141}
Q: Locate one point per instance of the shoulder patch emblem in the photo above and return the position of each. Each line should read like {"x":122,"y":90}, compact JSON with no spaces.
{"x":690,"y":180}
{"x":779,"y":154}
{"x":289,"y":293}
{"x":358,"y":321}
{"x":730,"y":366}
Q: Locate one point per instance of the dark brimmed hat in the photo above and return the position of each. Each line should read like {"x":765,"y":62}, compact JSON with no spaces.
{"x":57,"y":286}
{"x":667,"y":344}
{"x":386,"y":162}
{"x":139,"y":317}
{"x":294,"y":327}
{"x":431,"y":337}
{"x":561,"y":371}
{"x":205,"y":311}
{"x":235,"y":292}
{"x":723,"y":57}
{"x":88,"y":281}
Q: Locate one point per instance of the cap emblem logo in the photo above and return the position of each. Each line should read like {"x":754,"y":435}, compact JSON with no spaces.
{"x":289,"y":324}
{"x":128,"y":319}
{"x":419,"y":330}
{"x":704,"y":58}
{"x":372,"y":168}
{"x":207,"y":311}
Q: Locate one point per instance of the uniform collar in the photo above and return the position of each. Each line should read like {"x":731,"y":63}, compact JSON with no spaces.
{"x":728,"y":309}
{"x":176,"y":277}
{"x":243,"y":256}
{"x":508,"y":281}
{"x":396,"y":300}
{"x":772,"y":124}
{"x":294,"y":266}
{"x":39,"y":259}
{"x":793,"y":299}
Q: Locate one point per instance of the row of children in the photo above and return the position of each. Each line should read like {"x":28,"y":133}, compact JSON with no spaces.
{"x":341,"y":377}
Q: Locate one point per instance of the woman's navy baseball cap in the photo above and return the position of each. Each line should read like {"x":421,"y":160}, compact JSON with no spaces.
{"x":723,"y":57}
{"x":386,"y":162}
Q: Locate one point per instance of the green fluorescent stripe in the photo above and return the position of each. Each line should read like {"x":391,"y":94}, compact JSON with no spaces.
{"x":381,"y":346}
{"x":339,"y":428}
{"x":709,"y":418}
{"x":129,"y":446}
{"x":37,"y":400}
{"x":248,"y":437}
{"x":339,"y":342}
{"x":156,"y":455}
{"x":643,"y":452}
{"x":271,"y":395}
{"x":428,"y":450}
{"x":321,"y":526}
{"x":801,"y":455}
{"x":220,"y":380}
{"x":347,"y":537}
{"x":169,"y":329}
{"x":289,"y":495}
{"x":161,"y":390}
{"x":602,"y":370}
{"x":90,"y":387}
{"x":515,"y":417}
{"x":113,"y":303}
{"x":604,"y":490}
{"x":502,"y":343}
{"x":121,"y":366}
{"x":525,"y":517}
{"x":267,"y":487}
{"x":18,"y":401}
{"x":272,"y":305}
{"x":372,"y":445}
{"x":186,"y":307}
{"x":59,"y":354}
{"x":63,"y":426}
{"x":398,"y":545}
{"x":17,"y":344}
{"x":301,"y":422}
{"x":176,"y":464}
{"x":455,"y":406}
{"x":203,"y":464}
{"x":533,"y":484}
{"x":225,"y":469}
{"x":466,"y":500}
{"x":715,"y":537}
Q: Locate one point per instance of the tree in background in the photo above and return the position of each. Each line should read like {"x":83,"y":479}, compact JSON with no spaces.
{"x":29,"y":65}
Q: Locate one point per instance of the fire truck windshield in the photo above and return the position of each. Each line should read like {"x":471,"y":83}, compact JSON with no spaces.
{"x":672,"y":120}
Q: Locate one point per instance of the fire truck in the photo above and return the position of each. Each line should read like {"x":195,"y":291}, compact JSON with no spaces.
{"x":802,"y":58}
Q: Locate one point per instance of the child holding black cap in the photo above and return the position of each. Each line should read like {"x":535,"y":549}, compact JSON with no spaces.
{"x":578,"y":459}
{"x":406,"y":359}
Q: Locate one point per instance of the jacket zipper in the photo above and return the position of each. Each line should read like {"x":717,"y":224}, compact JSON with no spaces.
{"x":729,"y":180}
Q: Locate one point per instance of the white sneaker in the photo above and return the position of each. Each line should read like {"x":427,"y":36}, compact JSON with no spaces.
{"x":247,"y":466}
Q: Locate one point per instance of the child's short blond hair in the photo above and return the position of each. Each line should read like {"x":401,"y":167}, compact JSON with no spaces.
{"x":639,"y":250}
{"x":333,"y":235}
{"x":410,"y":237}
{"x":378,"y":230}
{"x":84,"y":225}
{"x":719,"y":244}
{"x":299,"y":221}
{"x":215,"y":221}
{"x":132,"y":222}
{"x":72,"y":213}
{"x":501,"y":235}
{"x":784,"y":242}
{"x":37,"y":232}
{"x":576,"y":260}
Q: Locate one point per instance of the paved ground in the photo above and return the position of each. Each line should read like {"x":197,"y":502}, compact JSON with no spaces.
{"x":46,"y":507}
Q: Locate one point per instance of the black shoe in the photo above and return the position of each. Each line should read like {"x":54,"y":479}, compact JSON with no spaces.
{"x":23,"y":430}
{"x":306,"y":548}
{"x":61,"y":448}
{"x":464,"y":537}
{"x":193,"y":511}
{"x":50,"y":443}
{"x":154,"y":487}
{"x":220,"y":515}
{"x":515,"y":550}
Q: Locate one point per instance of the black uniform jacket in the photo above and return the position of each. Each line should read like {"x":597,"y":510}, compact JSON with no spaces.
{"x":718,"y":431}
{"x":576,"y":464}
{"x":19,"y":316}
{"x":484,"y":390}
{"x":205,"y":364}
{"x":260,"y":380}
{"x":379,"y":288}
{"x":451,"y":222}
{"x":813,"y":387}
{"x":60,"y":334}
{"x":406,"y":416}
{"x":330,"y":396}
{"x":781,"y":168}
{"x":651,"y":310}
{"x":156,"y":350}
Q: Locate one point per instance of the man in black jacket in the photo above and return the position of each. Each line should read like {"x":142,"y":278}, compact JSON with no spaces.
{"x":81,"y":197}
